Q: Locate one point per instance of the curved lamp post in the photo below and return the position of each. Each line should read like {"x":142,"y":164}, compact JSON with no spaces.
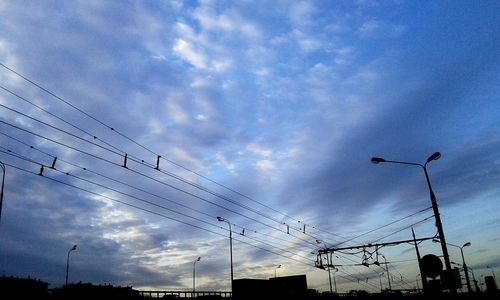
{"x":194,"y":275}
{"x":469,"y":287}
{"x":467,"y":279}
{"x":220,"y":219}
{"x":439,"y":225}
{"x":279,"y":266}
{"x":67,"y":262}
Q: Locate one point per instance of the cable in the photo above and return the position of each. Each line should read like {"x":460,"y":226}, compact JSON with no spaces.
{"x":154,"y":179}
{"x":193,"y":184}
{"x":152,"y":212}
{"x":59,"y":118}
{"x":140,"y":145}
{"x":383,"y":226}
{"x":406,"y":227}
{"x":12,"y":153}
{"x":132,"y":186}
{"x":100,"y":185}
{"x":75,"y":107}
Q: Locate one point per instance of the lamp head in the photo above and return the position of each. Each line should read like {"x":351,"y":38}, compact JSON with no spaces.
{"x":466,"y":244}
{"x":221,"y":219}
{"x":198,"y":259}
{"x":377,"y":160}
{"x":279,"y":266}
{"x":74,"y":247}
{"x":434,"y":156}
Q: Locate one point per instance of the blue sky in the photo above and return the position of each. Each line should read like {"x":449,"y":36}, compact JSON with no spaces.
{"x":264,"y":113}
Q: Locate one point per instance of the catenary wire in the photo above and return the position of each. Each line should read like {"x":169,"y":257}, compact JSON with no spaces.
{"x":142,"y":146}
{"x":154,"y":179}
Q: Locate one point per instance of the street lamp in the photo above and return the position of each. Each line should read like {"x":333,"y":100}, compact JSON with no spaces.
{"x":194,"y":275}
{"x":467,"y":280}
{"x":439,"y":225}
{"x":67,"y":262}
{"x":328,"y":264}
{"x":279,"y":266}
{"x":220,"y":219}
{"x":387,"y":271}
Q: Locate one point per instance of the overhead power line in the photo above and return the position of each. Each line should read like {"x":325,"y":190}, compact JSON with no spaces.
{"x":174,"y":175}
{"x":39,"y":86}
{"x":152,"y":178}
{"x":156,"y":213}
{"x":100,"y":185}
{"x":121,"y":153}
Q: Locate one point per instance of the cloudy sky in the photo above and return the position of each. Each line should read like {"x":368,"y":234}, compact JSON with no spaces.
{"x":265,"y":113}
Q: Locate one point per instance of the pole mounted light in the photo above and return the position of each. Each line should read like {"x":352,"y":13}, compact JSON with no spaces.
{"x":467,"y":280}
{"x":437,"y":216}
{"x":278,"y":267}
{"x":221,"y":219}
{"x":67,"y":263}
{"x":466,"y":271}
{"x":194,"y":275}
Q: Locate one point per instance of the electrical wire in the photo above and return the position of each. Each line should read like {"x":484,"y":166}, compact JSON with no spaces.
{"x":139,"y":161}
{"x":144,"y":147}
{"x":153,"y":212}
{"x":10,"y":152}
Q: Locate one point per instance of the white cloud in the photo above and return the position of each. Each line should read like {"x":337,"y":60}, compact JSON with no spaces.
{"x":188,"y":52}
{"x":259,"y":149}
{"x":210,"y":21}
{"x":307,"y":43}
{"x":155,"y":126}
{"x":376,"y":29}
{"x":227,"y":22}
{"x":201,"y":117}
{"x":177,"y":112}
{"x":221,"y":65}
{"x":265,"y":165}
{"x":262,"y":72}
{"x":224,"y":162}
{"x":301,"y":12}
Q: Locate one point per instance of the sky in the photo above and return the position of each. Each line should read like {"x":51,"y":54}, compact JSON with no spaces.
{"x":153,"y":118}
